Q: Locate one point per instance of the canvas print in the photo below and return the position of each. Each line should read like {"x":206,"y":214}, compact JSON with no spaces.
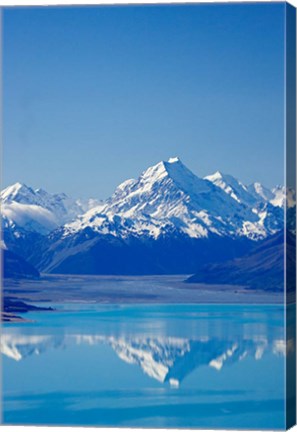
{"x":148,"y":216}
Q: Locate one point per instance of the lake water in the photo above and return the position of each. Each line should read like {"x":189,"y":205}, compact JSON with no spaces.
{"x":207,"y":366}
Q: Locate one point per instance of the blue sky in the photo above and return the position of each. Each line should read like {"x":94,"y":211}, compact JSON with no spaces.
{"x":94,"y":95}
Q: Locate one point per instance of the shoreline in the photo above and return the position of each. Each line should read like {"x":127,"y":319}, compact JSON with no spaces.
{"x":149,"y":289}
{"x":13,"y":305}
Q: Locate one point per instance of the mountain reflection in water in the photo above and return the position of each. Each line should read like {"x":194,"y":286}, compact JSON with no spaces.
{"x":166,"y":359}
{"x":208,"y":366}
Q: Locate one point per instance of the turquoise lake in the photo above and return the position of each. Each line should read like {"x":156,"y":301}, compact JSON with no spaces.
{"x":191,"y":366}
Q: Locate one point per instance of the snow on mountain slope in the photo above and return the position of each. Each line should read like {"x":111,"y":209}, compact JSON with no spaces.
{"x":260,"y":192}
{"x":165,"y":221}
{"x":281,"y":195}
{"x":254,"y":195}
{"x":233,"y":187}
{"x":168,"y":197}
{"x":37,"y":210}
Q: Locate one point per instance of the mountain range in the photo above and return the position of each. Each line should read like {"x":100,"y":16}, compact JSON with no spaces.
{"x":168,"y":220}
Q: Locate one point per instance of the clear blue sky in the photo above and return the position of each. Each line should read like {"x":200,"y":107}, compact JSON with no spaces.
{"x":94,"y":95}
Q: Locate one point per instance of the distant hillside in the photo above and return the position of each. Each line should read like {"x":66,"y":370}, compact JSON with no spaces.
{"x":262,"y":268}
{"x":16,"y":267}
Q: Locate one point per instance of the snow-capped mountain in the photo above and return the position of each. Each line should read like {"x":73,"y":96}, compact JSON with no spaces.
{"x":37,"y":210}
{"x":170,"y":198}
{"x":166,"y":220}
{"x":255,"y":194}
{"x":260,"y":192}
{"x":233,"y":187}
{"x":29,"y":215}
{"x":282,"y":196}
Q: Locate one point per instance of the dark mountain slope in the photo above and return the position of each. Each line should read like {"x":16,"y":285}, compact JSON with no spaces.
{"x":90,"y":253}
{"x":262,"y":268}
{"x":16,"y":267}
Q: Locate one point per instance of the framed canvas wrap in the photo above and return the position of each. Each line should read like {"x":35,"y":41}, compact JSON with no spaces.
{"x":149,"y":216}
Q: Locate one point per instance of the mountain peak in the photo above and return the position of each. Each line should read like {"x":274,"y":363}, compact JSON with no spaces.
{"x":219,"y":175}
{"x":215,"y":176}
{"x":41,"y":191}
{"x":17,"y":190}
{"x":173,"y":169}
{"x":155,"y":172}
{"x":260,"y":191}
{"x":173,"y":160}
{"x":18,"y":185}
{"x":233,"y":187}
{"x":15,"y":187}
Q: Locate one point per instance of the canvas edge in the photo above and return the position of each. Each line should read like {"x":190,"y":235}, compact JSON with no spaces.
{"x":290,"y":182}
